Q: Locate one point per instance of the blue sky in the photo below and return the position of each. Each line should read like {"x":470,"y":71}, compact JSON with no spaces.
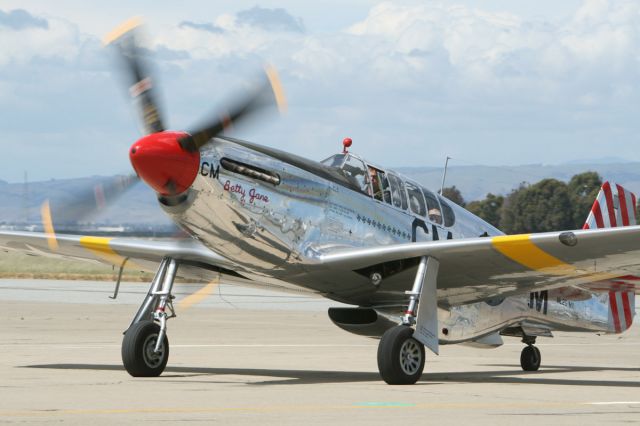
{"x":487,"y":82}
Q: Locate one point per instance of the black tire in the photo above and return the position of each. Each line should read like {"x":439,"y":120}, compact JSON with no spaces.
{"x":530,"y":358}
{"x":138,"y":356}
{"x":400,"y":356}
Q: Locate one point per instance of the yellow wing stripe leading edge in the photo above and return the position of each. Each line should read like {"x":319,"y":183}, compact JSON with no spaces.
{"x":521,"y":249}
{"x":99,"y":246}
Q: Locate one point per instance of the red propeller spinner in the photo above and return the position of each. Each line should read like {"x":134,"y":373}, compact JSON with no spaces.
{"x":163,"y":164}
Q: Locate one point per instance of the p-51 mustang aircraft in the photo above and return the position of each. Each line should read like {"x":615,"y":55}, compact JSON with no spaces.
{"x":418,"y":269}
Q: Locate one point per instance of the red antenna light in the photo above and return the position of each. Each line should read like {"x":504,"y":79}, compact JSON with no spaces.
{"x":346,"y":142}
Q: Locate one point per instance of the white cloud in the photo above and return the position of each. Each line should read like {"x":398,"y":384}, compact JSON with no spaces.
{"x":20,"y":19}
{"x":207,"y":26}
{"x":58,"y":39}
{"x":276,"y":19}
{"x":453,"y":50}
{"x":441,"y":78}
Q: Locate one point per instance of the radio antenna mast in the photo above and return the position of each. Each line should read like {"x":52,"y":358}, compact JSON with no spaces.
{"x":444,"y":173}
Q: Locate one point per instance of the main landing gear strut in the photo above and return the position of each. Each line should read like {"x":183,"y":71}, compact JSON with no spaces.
{"x":401,"y":352}
{"x":145,"y":347}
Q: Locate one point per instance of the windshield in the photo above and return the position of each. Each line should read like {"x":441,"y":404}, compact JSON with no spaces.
{"x":355,"y":171}
{"x":334,"y":160}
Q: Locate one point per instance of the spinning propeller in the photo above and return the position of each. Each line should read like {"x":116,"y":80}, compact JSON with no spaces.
{"x":168,"y":161}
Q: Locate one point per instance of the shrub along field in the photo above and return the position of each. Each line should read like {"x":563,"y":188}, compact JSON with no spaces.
{"x":18,"y":265}
{"x":548,"y":205}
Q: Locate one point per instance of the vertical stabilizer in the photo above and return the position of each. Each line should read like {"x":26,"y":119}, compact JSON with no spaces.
{"x":614,"y":206}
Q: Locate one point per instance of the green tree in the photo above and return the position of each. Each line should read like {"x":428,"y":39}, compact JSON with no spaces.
{"x":488,"y":209}
{"x":544,"y":206}
{"x":454,"y":195}
{"x":583,"y":189}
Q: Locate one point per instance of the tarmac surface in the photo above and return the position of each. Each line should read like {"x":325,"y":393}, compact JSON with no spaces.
{"x":242,"y":356}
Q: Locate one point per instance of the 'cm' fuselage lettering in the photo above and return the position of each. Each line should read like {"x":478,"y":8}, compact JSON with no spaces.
{"x":206,"y":169}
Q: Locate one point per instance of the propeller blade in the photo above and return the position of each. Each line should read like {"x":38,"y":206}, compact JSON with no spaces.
{"x":83,"y":204}
{"x":136,"y":68}
{"x":160,"y":157}
{"x":199,"y":295}
{"x":268,"y":94}
{"x":64,"y":214}
{"x":47,"y":225}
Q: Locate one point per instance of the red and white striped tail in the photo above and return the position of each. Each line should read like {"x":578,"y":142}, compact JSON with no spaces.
{"x":614,"y":206}
{"x":621,"y":310}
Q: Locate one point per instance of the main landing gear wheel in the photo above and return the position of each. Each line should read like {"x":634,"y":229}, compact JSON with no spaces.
{"x":400,"y":356}
{"x":530,"y":358}
{"x":138,"y":350}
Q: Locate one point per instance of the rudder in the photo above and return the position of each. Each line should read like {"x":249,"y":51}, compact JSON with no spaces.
{"x":614,"y":206}
{"x":622,"y":307}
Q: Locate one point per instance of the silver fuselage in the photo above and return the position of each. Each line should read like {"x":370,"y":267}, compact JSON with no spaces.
{"x":274,"y":233}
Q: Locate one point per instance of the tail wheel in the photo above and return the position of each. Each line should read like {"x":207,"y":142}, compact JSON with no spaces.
{"x":530,"y":358}
{"x":138,"y":350}
{"x":400,"y":356}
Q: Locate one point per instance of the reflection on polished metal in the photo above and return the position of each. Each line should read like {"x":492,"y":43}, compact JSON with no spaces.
{"x":283,"y":236}
{"x":165,"y":302}
{"x":427,"y":315}
{"x":252,"y":172}
{"x":409,"y":317}
{"x":159,"y":299}
{"x":292,"y":225}
{"x":144,"y":312}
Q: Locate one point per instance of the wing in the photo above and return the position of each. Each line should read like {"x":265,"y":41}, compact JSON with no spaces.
{"x":142,"y":253}
{"x":482,"y":268}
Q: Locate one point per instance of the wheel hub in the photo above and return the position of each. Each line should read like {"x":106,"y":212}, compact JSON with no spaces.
{"x":152,"y":358}
{"x":410,"y":357}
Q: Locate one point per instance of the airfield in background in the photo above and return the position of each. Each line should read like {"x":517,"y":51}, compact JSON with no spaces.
{"x":137,"y":211}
